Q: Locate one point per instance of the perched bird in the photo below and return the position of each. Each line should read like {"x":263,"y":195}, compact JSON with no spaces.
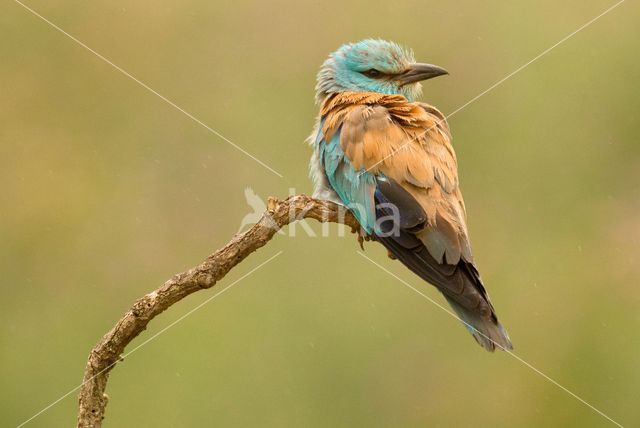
{"x":389,"y":159}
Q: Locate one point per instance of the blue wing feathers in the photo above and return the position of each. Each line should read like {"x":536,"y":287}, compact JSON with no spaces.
{"x":355,"y":188}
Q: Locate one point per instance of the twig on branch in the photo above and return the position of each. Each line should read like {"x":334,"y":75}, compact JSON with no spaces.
{"x":108,"y":351}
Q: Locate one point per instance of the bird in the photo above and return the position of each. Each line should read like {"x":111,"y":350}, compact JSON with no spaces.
{"x":388,"y":158}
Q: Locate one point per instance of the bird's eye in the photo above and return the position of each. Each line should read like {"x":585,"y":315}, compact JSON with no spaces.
{"x":373,"y":73}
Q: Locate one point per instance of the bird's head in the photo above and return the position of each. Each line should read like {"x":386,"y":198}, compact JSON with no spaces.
{"x":374,"y":66}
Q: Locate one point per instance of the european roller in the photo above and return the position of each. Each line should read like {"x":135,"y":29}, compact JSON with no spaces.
{"x":389,"y":159}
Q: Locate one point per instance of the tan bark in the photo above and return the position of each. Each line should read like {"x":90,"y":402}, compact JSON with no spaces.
{"x":107,"y":352}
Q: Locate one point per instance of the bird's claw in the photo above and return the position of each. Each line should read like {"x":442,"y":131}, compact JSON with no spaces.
{"x":361,"y":236}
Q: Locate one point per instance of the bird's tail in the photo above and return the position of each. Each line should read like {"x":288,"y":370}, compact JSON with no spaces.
{"x":487,"y":331}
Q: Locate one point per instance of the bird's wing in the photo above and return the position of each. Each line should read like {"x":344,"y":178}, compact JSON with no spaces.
{"x":354,"y":188}
{"x":400,"y":154}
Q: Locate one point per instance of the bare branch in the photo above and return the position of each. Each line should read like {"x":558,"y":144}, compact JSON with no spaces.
{"x":107,"y":352}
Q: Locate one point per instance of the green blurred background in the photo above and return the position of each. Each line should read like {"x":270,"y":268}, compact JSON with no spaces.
{"x":106,"y":191}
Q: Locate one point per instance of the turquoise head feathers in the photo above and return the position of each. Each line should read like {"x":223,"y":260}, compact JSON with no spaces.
{"x":373,"y":65}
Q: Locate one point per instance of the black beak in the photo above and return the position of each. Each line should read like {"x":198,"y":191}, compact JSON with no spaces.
{"x":418,"y":72}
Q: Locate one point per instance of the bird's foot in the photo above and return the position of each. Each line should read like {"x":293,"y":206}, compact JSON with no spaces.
{"x":361,"y":236}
